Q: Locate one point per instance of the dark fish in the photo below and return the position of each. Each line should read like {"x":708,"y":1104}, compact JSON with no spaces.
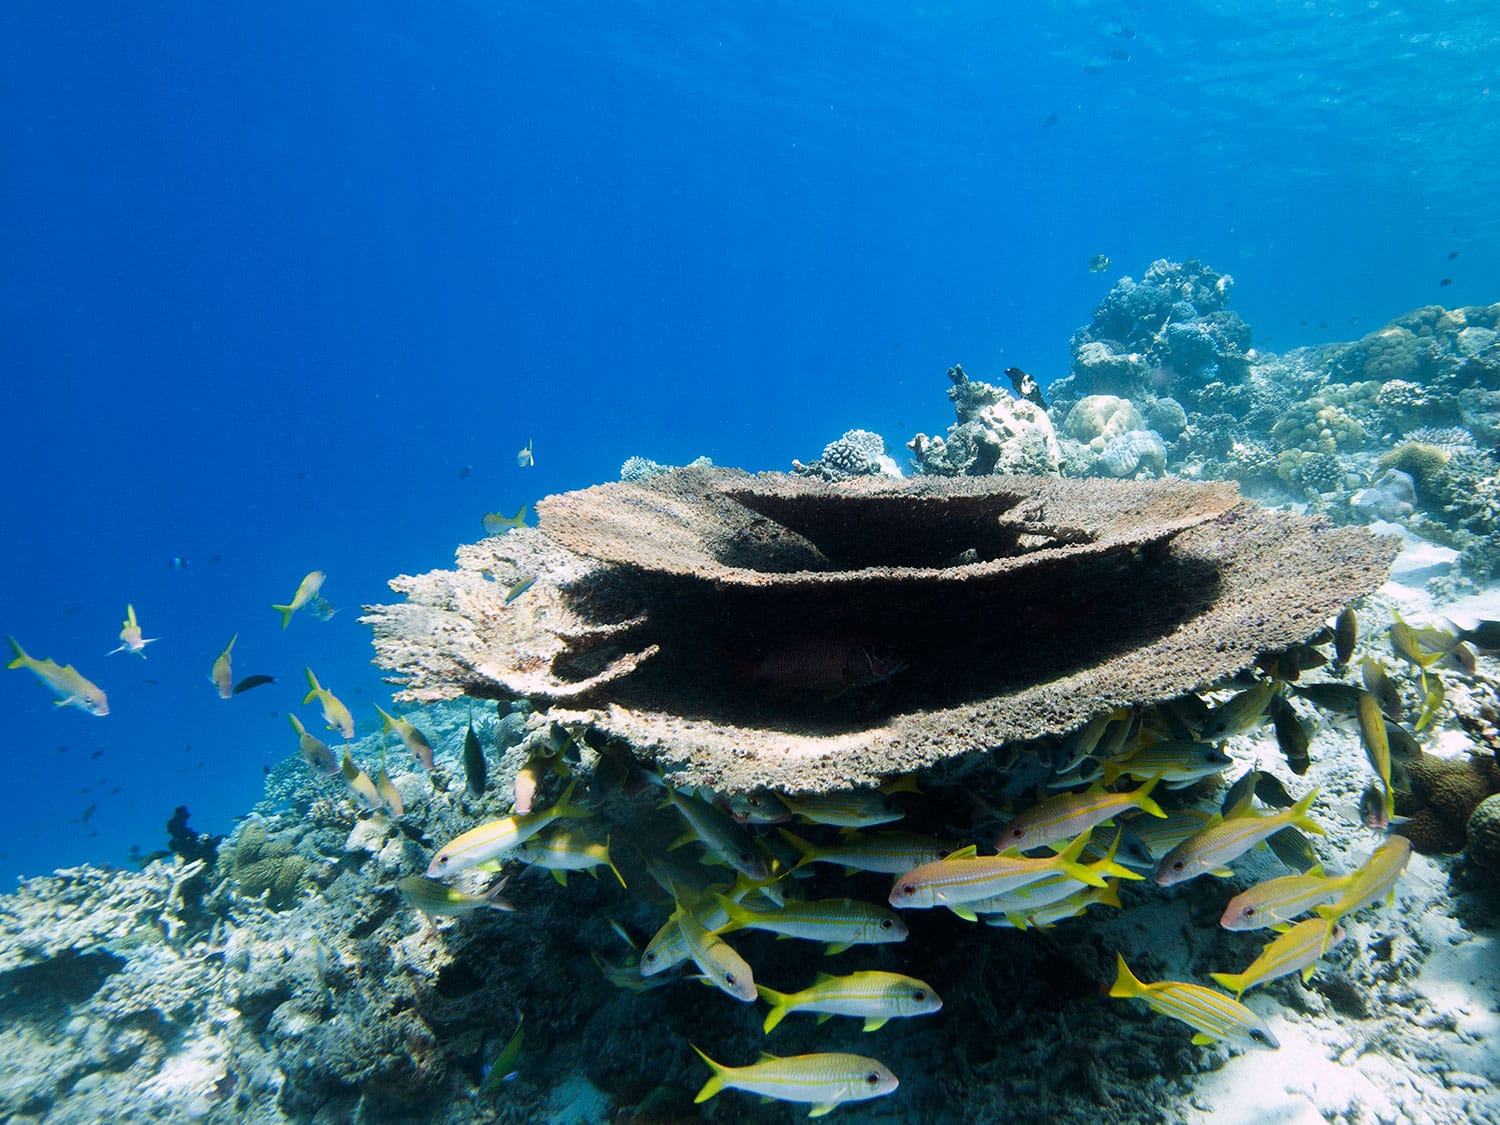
{"x":1026,"y":386}
{"x":1291,"y":735}
{"x":1050,"y":120}
{"x":463,"y":474}
{"x":1290,"y":663}
{"x":1239,"y":794}
{"x":1372,"y":810}
{"x":1452,"y":254}
{"x":1343,"y":698}
{"x":1345,"y":634}
{"x":1403,"y":744}
{"x":96,"y":754}
{"x":1293,"y":849}
{"x":1099,"y":263}
{"x":1272,"y":792}
{"x":474,"y":765}
{"x":1383,"y":688}
{"x":252,"y":682}
{"x":1484,"y":636}
{"x":1445,"y":283}
{"x":827,"y":664}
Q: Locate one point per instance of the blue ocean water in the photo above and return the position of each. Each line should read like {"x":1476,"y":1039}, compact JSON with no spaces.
{"x":287,"y":287}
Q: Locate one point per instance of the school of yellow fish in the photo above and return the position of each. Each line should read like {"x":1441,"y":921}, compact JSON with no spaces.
{"x":1049,"y":861}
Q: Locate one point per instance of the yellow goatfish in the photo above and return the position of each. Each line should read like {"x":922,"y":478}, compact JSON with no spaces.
{"x":1066,"y":815}
{"x":307,"y":589}
{"x":1374,"y":879}
{"x":315,"y":752}
{"x":1211,"y":1014}
{"x":1377,"y":742}
{"x":825,"y":1080}
{"x":561,"y":851}
{"x":360,"y":786}
{"x":71,"y":689}
{"x":335,"y":714}
{"x":1295,"y":951}
{"x":432,"y":897}
{"x":724,"y":968}
{"x":223,"y":674}
{"x":498,"y":837}
{"x":874,"y":997}
{"x":130,"y":636}
{"x":1209,"y":851}
{"x":413,"y":739}
{"x":526,"y":458}
{"x":496,"y":524}
{"x":1280,"y":900}
{"x":966,"y":877}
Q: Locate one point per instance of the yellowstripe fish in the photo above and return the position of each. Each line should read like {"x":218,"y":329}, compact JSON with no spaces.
{"x":965,"y":877}
{"x":1374,"y":879}
{"x":872,"y":996}
{"x":432,"y":897}
{"x":1211,"y":1014}
{"x":1161,"y":836}
{"x":716,"y":832}
{"x":885,"y":853}
{"x":315,"y":751}
{"x":561,"y":851}
{"x":335,"y":714}
{"x":825,"y":1080}
{"x":360,"y":785}
{"x":1296,"y":951}
{"x":1377,"y":742}
{"x":1240,"y":712}
{"x":1405,"y":645}
{"x":130,"y":636}
{"x":307,"y":589}
{"x":1277,"y":901}
{"x":1023,"y":917}
{"x":841,"y":922}
{"x":1044,"y":892}
{"x":413,"y":739}
{"x":852,"y":808}
{"x":71,"y":689}
{"x":725,"y":969}
{"x":499,"y":836}
{"x":1211,"y":850}
{"x":496,"y":524}
{"x":1066,"y":815}
{"x":667,"y":947}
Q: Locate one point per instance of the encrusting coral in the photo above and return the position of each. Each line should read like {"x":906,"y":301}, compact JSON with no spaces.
{"x":960,"y":614}
{"x":1444,"y":794}
{"x":263,"y":865}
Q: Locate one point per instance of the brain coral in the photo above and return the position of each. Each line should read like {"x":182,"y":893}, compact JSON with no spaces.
{"x":1020,"y":607}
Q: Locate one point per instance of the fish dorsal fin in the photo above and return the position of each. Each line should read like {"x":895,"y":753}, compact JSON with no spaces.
{"x":964,"y":853}
{"x":766,"y":1056}
{"x":821,"y":977}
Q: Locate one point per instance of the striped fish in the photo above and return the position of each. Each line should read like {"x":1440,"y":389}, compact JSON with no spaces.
{"x":725,"y":969}
{"x":872,"y":996}
{"x":1280,"y":900}
{"x":1211,"y":850}
{"x":1212,"y":1015}
{"x":966,"y":877}
{"x":825,"y":1080}
{"x":1066,"y":815}
{"x":498,"y":837}
{"x":1296,"y":951}
{"x":1375,"y":879}
{"x":885,"y":853}
{"x":841,"y":922}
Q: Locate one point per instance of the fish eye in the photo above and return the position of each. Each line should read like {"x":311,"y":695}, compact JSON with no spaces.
{"x":919,"y":996}
{"x":1249,"y":912}
{"x":1177,"y":866}
{"x":1257,"y":1036}
{"x":728,"y":978}
{"x":885,"y":923}
{"x":872,"y":1079}
{"x":908,"y":888}
{"x":1017,"y":833}
{"x":649,"y":957}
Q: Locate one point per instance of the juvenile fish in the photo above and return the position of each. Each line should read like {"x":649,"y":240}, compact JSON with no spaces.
{"x":1179,"y":763}
{"x":966,"y":877}
{"x":432,"y":897}
{"x":251,"y":682}
{"x":335,"y":714}
{"x":561,"y":851}
{"x":499,"y":836}
{"x":1278,"y":901}
{"x":874,"y":997}
{"x":1040,"y":917}
{"x":825,"y":1080}
{"x":526,"y":458}
{"x":307,"y":589}
{"x":314,"y":751}
{"x":390,"y":796}
{"x":1296,"y":951}
{"x":1066,"y":815}
{"x":131,"y":639}
{"x":1240,"y":712}
{"x":223,"y":674}
{"x":720,"y":835}
{"x":1211,"y":1014}
{"x":1291,"y":735}
{"x":71,"y":689}
{"x":496,"y":524}
{"x":841,"y":922}
{"x":1212,"y":849}
{"x":475,"y":769}
{"x":1405,"y":645}
{"x":1432,"y":703}
{"x":413,"y":739}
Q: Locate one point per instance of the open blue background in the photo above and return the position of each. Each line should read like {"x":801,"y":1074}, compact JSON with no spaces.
{"x":274,"y":274}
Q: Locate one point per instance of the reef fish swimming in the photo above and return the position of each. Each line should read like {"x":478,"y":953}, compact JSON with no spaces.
{"x":825,"y":1080}
{"x":307,"y":589}
{"x":131,"y":639}
{"x":827,"y":664}
{"x":71,"y":689}
{"x":1211,"y":1014}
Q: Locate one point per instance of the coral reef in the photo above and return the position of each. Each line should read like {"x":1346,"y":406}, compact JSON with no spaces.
{"x":652,"y":599}
{"x":266,"y":866}
{"x":859,"y":453}
{"x":995,"y":433}
{"x":639,"y":468}
{"x":1444,"y":794}
{"x":1483,"y":833}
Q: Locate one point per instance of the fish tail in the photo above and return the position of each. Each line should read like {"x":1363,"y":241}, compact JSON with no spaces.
{"x":1300,"y":818}
{"x":1125,"y":985}
{"x":1234,"y":982}
{"x":316,"y":687}
{"x":779,"y":1007}
{"x":611,"y":863}
{"x":21,"y":657}
{"x":1113,"y":771}
{"x":565,"y":807}
{"x":715,"y":1082}
{"x":806,"y":852}
{"x":1143,"y":799}
{"x":1086,"y":875}
{"x":1111,"y":895}
{"x":286,"y":612}
{"x":738,"y":915}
